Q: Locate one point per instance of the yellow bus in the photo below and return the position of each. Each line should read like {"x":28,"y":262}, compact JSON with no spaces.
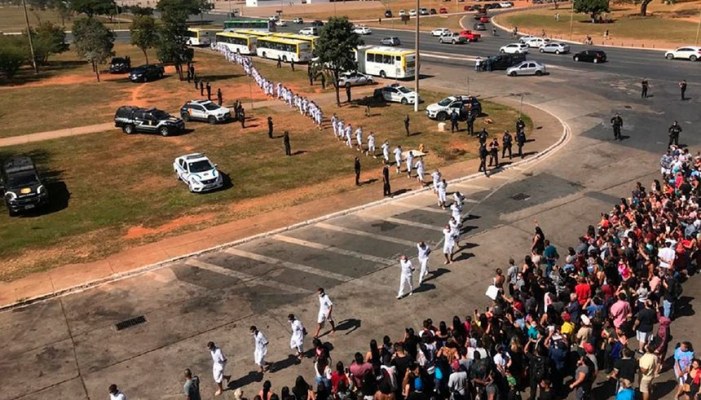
{"x":237,"y":42}
{"x":199,"y":37}
{"x":252,"y":32}
{"x":307,"y":38}
{"x":284,"y":49}
{"x":387,"y":62}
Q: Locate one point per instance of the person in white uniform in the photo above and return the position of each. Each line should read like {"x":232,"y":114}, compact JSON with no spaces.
{"x":455,"y":213}
{"x":297,"y":338}
{"x":115,"y":393}
{"x":371,"y":145}
{"x":455,"y":228}
{"x":398,"y":158}
{"x":405,"y":279}
{"x":424,"y":252}
{"x":459,"y":199}
{"x":359,"y":138}
{"x":218,"y":365}
{"x":385,"y":151}
{"x":420,"y":171}
{"x":409,"y":163}
{"x":441,"y":187}
{"x":436,"y":177}
{"x":448,"y":244}
{"x":261,"y":349}
{"x":325,"y":310}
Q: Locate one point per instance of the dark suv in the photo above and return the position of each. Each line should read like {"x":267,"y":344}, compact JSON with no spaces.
{"x":120,"y":65}
{"x":146,"y":72}
{"x":149,"y":120}
{"x":22,"y":188}
{"x":502,"y":61}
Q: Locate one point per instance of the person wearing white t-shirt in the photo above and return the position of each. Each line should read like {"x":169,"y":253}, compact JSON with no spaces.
{"x":398,"y":158}
{"x":371,"y":145}
{"x":116,"y":394}
{"x":261,"y":349}
{"x":218,"y":364}
{"x":297,"y":338}
{"x":448,"y":244}
{"x":666,"y":255}
{"x":405,"y":279}
{"x":325,"y":310}
{"x":424,"y":251}
{"x":385,"y":151}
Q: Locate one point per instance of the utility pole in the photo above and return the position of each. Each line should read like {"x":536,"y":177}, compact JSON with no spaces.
{"x":698,"y":29}
{"x":29,"y":36}
{"x":418,"y":60}
{"x":571,"y":19}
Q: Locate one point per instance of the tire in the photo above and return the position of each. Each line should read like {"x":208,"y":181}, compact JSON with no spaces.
{"x":442,"y":116}
{"x":670,"y":56}
{"x":693,"y":58}
{"x":185,"y":116}
{"x":502,"y":51}
{"x":383,"y":74}
{"x":160,"y":75}
{"x":512,"y":73}
{"x":404,"y":101}
{"x":539,"y":73}
{"x":211,"y":120}
{"x":557,"y":52}
{"x":164,"y":131}
{"x":542,"y":51}
{"x":595,"y":61}
{"x":129,"y":129}
{"x":575,"y":58}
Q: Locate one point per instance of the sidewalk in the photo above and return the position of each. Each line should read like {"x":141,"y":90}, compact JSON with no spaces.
{"x":76,"y":277}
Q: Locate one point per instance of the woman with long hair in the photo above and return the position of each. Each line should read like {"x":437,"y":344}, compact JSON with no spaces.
{"x":302,"y":390}
{"x":373,"y":357}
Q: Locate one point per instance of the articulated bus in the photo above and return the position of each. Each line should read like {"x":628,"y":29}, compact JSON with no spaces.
{"x":199,"y":37}
{"x":257,"y":24}
{"x":387,"y":62}
{"x":307,"y":38}
{"x":237,"y":42}
{"x":284,"y":49}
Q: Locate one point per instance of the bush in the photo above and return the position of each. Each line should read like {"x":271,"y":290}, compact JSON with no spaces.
{"x":13,"y":53}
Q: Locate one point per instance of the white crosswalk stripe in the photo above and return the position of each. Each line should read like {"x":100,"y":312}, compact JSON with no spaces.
{"x":356,"y":232}
{"x":319,"y":246}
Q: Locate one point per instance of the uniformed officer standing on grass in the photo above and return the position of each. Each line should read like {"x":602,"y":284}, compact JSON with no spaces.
{"x":286,"y":142}
{"x":356,"y":167}
{"x":617,"y":123}
{"x":209,"y":91}
{"x":220,"y":97}
{"x":482,"y":136}
{"x":406,"y":125}
{"x":386,"y":189}
{"x":201,"y":88}
{"x":470,"y":121}
{"x":270,"y":127}
{"x":454,"y":122}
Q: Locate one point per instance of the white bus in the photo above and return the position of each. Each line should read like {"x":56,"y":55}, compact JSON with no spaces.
{"x":199,"y":37}
{"x":306,"y":38}
{"x":285,"y":49}
{"x":387,"y":62}
{"x":237,"y":42}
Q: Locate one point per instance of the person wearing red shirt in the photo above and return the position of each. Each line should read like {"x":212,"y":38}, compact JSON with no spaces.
{"x":338,"y":376}
{"x":583,"y":291}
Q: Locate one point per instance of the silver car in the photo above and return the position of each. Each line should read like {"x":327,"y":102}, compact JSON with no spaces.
{"x":555,"y":47}
{"x":354,"y":78}
{"x":527,"y":67}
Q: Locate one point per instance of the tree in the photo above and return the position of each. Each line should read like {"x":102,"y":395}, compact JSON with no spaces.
{"x":172,"y":46}
{"x":182,"y":9}
{"x":592,"y":7}
{"x":93,"y":42}
{"x":93,"y":7}
{"x":335,"y":49}
{"x":144,"y":33}
{"x":48,"y":39}
{"x":643,"y":7}
{"x":13,"y":53}
{"x":138,"y":10}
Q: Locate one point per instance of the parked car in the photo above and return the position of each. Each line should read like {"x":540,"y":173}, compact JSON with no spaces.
{"x":362,"y":30}
{"x":354,"y":78}
{"x":513,"y":48}
{"x":480,"y":15}
{"x":529,"y":67}
{"x":555,"y":47}
{"x":412,"y":12}
{"x":502,"y":61}
{"x":317,"y":23}
{"x":298,"y":20}
{"x":390,"y":41}
{"x":594,"y":56}
{"x":484,"y":19}
{"x":402,"y":13}
{"x":506,"y":4}
{"x":440,"y":32}
{"x":452,"y":38}
{"x":120,"y":65}
{"x":198,"y":172}
{"x":310,"y":31}
{"x":442,"y":109}
{"x":432,"y":11}
{"x":281,"y":22}
{"x":423,"y":11}
{"x":388,"y":13}
{"x":443,"y":10}
{"x":479,"y":26}
{"x":470,"y":36}
{"x":396,"y":93}
{"x":22,"y":188}
{"x":536,"y":42}
{"x":204,"y":110}
{"x":691,"y":53}
{"x":149,"y":120}
{"x":146,"y":72}
{"x":467,"y":8}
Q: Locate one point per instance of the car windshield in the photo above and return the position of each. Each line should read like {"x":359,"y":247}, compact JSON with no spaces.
{"x":403,"y":89}
{"x":118,"y":60}
{"x":22,"y":179}
{"x":200,"y":166}
{"x":211,"y":106}
{"x":445,"y":102}
{"x":159,"y":114}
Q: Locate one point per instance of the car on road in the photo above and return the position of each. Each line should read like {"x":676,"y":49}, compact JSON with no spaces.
{"x":354,"y":78}
{"x":396,"y":93}
{"x":691,"y":53}
{"x":452,"y":38}
{"x":470,"y":36}
{"x":433,"y":11}
{"x":412,"y":12}
{"x":388,"y":13}
{"x":444,"y":108}
{"x":198,"y":172}
{"x":479,"y":26}
{"x":555,"y":47}
{"x":514,"y":48}
{"x":309,"y":31}
{"x":390,"y":41}
{"x":529,"y":67}
{"x":317,"y":23}
{"x":362,"y":30}
{"x":204,"y":110}
{"x":22,"y":188}
{"x":148,"y":120}
{"x":535,"y":42}
{"x":506,"y":4}
{"x":484,"y":19}
{"x":146,"y":72}
{"x":594,"y":56}
{"x":423,"y":11}
{"x":502,"y":61}
{"x":443,"y":10}
{"x":403,"y":13}
{"x":298,"y":20}
{"x":438,"y":32}
{"x":281,"y":22}
{"x":120,"y":65}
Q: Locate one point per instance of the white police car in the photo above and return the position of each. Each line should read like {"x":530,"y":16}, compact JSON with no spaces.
{"x":198,"y":172}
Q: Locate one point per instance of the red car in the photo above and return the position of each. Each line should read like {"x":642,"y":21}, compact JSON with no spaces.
{"x":484,"y":20}
{"x":470,"y":36}
{"x":466,"y":8}
{"x":443,"y":10}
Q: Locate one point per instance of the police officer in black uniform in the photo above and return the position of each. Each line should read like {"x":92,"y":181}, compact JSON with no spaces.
{"x":201,"y":88}
{"x":674,"y":132}
{"x":645,"y":86}
{"x":220,"y":97}
{"x":209,"y":91}
{"x":454,"y":122}
{"x":270,"y":127}
{"x":482,"y":136}
{"x":483,"y":152}
{"x":520,"y":141}
{"x":386,"y":189}
{"x":506,"y":142}
{"x":406,"y":125}
{"x":286,"y":142}
{"x":494,"y":153}
{"x":470,"y":121}
{"x":356,"y":167}
{"x":617,"y":123}
{"x":520,"y":126}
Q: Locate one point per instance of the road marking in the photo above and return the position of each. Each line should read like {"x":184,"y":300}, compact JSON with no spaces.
{"x":422,"y":208}
{"x":471,"y":186}
{"x":330,"y":227}
{"x":319,"y":246}
{"x":447,"y":56}
{"x":289,"y":265}
{"x":416,"y":224}
{"x":246,"y":278}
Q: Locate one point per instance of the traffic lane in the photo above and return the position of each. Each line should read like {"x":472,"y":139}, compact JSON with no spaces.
{"x":120,"y":36}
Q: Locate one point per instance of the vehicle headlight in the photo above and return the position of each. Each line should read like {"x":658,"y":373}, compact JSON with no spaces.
{"x":41,"y":189}
{"x":10,"y":196}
